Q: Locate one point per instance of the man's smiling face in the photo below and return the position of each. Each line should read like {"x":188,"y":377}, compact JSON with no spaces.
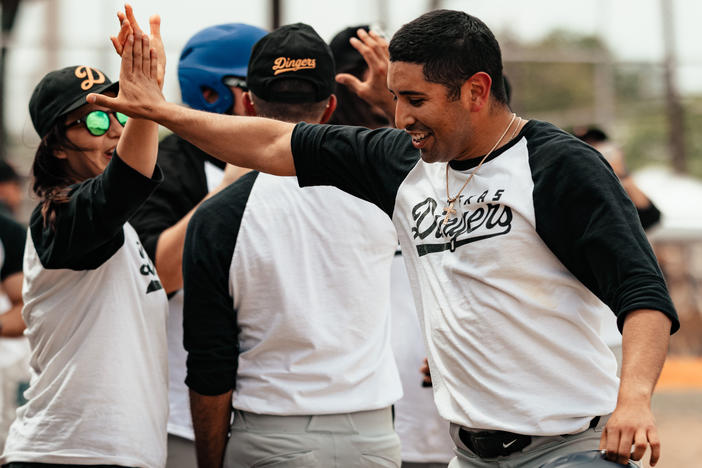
{"x":440,"y":127}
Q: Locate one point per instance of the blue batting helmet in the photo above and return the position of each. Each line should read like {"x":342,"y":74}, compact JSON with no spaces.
{"x":587,"y":459}
{"x":211,"y":55}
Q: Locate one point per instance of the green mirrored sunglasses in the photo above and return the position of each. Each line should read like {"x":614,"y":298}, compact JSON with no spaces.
{"x":97,"y":122}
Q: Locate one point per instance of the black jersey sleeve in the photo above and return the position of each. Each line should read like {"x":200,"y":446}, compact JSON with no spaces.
{"x":183,"y":187}
{"x":13,"y":237}
{"x":210,"y":331}
{"x":587,"y":220}
{"x":369,"y":164}
{"x":87,"y":229}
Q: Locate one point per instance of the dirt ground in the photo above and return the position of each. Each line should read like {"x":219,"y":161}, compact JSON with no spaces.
{"x":677,"y":406}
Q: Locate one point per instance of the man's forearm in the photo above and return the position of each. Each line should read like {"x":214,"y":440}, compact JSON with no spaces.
{"x":645,"y":339}
{"x":645,"y":335}
{"x":251,"y":142}
{"x":211,"y":416}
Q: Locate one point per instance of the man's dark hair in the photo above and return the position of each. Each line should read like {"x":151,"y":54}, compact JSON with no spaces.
{"x":452,"y":46}
{"x":290,"y":111}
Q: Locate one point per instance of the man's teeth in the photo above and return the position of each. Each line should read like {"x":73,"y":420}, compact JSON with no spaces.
{"x":419,"y":136}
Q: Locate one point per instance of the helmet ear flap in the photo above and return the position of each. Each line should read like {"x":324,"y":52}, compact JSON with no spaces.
{"x":192,"y":81}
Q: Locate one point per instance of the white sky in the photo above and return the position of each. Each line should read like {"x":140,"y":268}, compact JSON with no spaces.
{"x":632,"y":29}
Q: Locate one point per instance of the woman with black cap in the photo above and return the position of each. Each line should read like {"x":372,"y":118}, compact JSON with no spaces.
{"x":94,"y":307}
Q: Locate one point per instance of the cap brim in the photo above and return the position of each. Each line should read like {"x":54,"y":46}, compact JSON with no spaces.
{"x":97,"y":90}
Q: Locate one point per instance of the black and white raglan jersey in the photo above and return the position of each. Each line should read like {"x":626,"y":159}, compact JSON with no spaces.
{"x":287,"y":300}
{"x":96,"y":322}
{"x":511,"y":290}
{"x":189,"y":175}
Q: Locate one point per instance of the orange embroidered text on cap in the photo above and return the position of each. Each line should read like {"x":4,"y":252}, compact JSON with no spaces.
{"x":285,"y":64}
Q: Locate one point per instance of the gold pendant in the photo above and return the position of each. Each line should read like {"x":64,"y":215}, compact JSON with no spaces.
{"x":449,"y":211}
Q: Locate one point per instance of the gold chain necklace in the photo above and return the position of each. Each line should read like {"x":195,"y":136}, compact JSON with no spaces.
{"x":451,"y":200}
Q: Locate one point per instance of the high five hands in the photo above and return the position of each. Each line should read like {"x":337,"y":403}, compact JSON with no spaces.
{"x":155,"y":37}
{"x":142,"y":70}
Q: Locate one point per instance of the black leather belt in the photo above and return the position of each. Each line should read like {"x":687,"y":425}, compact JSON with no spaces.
{"x":493,"y":444}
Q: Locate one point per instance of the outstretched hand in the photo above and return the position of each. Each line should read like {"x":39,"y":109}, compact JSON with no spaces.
{"x":373,"y":88}
{"x":127,"y":17}
{"x":139,"y":92}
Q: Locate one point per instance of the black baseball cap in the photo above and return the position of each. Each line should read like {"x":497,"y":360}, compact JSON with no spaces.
{"x":62,"y":91}
{"x":291,"y":51}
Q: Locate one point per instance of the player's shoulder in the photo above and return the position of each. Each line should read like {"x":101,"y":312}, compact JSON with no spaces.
{"x":551,"y":146}
{"x":228,"y":203}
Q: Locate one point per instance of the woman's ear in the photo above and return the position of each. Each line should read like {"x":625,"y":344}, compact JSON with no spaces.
{"x":60,"y":154}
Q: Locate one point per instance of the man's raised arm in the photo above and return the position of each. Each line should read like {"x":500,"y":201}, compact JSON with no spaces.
{"x":251,"y":142}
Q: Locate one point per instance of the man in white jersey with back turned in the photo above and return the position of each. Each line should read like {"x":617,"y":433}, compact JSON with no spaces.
{"x":517,"y":237}
{"x":287,"y":307}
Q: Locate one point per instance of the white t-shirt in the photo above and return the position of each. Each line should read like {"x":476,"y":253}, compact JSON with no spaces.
{"x":423,"y":433}
{"x":297,"y":296}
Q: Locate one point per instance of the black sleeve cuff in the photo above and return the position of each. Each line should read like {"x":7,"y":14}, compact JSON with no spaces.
{"x":646,"y":293}
{"x":130,"y":183}
{"x":209,"y":382}
{"x":302,"y":147}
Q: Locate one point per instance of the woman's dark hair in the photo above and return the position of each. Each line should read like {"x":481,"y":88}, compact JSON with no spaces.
{"x":452,"y":46}
{"x":51,"y":175}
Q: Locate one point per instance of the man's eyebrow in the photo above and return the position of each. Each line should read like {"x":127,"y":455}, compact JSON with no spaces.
{"x":410,"y":92}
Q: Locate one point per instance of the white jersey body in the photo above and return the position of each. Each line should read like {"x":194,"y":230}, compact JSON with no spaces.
{"x":97,"y":334}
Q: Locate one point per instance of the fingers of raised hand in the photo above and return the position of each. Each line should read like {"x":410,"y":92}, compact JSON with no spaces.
{"x":124,"y":31}
{"x":353,"y":83}
{"x":127,"y":55}
{"x":374,"y":41}
{"x":116,"y":45}
{"x":132,"y":19}
{"x":100,"y":100}
{"x":157,"y":44}
{"x":145,"y":55}
{"x":365,"y":51}
{"x":377,"y":48}
{"x":137,"y":52}
{"x":155,"y":26}
{"x":154,"y":63}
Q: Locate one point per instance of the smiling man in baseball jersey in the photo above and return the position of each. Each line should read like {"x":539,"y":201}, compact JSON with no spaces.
{"x":517,"y":236}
